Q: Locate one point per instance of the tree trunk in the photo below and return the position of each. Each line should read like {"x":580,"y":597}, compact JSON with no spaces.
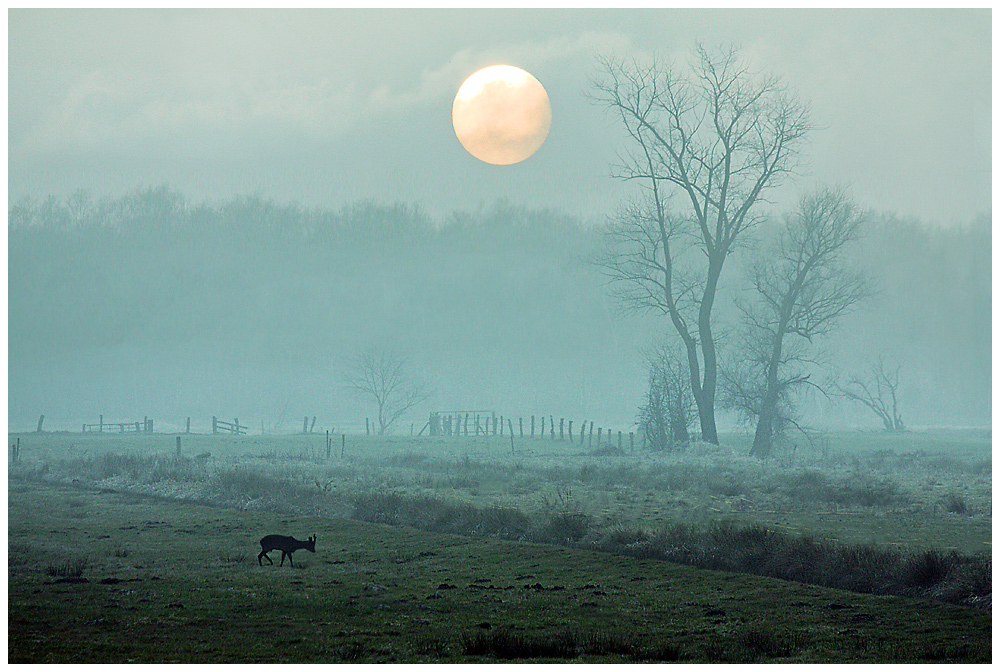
{"x":763,"y":438}
{"x":706,"y":400}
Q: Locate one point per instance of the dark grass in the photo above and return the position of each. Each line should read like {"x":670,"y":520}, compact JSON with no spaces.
{"x":179,"y":600}
{"x":565,"y":645}
{"x":754,"y":549}
{"x":944,"y":576}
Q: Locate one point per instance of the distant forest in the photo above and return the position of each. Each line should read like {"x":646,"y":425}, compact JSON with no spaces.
{"x":150,"y":304}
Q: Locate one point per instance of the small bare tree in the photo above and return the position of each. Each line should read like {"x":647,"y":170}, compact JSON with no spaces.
{"x":802,"y":285}
{"x":708,"y":145}
{"x":384,"y":375}
{"x":667,"y":411}
{"x":878,"y":391}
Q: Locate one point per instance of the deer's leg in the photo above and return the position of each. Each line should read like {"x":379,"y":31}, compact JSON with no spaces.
{"x":263,"y":554}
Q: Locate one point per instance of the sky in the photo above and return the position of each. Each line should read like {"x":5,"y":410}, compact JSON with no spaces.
{"x":325,"y":107}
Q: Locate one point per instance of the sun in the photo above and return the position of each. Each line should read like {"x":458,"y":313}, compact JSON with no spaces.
{"x":501,"y":114}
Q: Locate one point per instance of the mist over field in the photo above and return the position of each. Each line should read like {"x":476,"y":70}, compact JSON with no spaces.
{"x":605,"y":336}
{"x":151,"y":304}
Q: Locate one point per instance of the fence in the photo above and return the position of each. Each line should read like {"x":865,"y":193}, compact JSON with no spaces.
{"x":233,"y":427}
{"x":145,"y":426}
{"x":476,"y":423}
{"x":456,"y":423}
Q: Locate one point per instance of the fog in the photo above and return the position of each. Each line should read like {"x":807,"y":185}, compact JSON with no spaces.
{"x":154,"y":305}
{"x":211,"y":213}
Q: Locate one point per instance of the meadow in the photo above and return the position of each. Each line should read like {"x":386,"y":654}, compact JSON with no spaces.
{"x":471,"y":549}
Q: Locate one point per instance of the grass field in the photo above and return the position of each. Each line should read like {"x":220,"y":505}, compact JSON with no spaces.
{"x":118,"y":551}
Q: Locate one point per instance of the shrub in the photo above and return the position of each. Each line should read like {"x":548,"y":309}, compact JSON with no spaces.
{"x":955,"y":503}
{"x":565,"y":527}
{"x":438,"y":515}
{"x":929,"y":568}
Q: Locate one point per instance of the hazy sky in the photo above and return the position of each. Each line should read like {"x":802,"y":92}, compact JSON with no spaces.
{"x":328,"y":106}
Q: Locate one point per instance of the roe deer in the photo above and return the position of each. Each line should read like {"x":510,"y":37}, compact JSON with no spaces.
{"x":287,"y":546}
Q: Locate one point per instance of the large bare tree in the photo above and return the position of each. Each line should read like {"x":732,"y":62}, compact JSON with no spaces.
{"x":802,"y":284}
{"x":384,"y":374}
{"x":706,"y":145}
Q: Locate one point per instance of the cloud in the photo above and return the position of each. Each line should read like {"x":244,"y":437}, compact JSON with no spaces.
{"x":115,"y":107}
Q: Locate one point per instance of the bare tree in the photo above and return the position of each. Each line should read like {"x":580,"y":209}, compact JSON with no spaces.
{"x":878,"y":391}
{"x":708,"y":145}
{"x":802,"y":285}
{"x":666,"y":412}
{"x":384,"y":375}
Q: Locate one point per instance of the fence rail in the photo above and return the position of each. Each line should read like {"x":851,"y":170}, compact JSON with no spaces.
{"x":145,"y":426}
{"x":233,"y":427}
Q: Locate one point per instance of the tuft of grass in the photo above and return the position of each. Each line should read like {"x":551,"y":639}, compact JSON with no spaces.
{"x":955,"y":503}
{"x":18,"y":553}
{"x":508,"y":645}
{"x":233,"y":557}
{"x":69,"y":568}
{"x":765,"y":643}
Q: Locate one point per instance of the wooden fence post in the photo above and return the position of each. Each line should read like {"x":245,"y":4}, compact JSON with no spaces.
{"x":100,"y":425}
{"x":600,"y":430}
{"x":532,"y":426}
{"x":41,"y":418}
{"x":343,"y":444}
{"x":590,"y":439}
{"x":619,"y":440}
{"x":215,"y":425}
{"x":561,"y":435}
{"x":631,"y":442}
{"x":541,"y":434}
{"x":178,"y":446}
{"x":367,"y":430}
{"x":305,"y":424}
{"x":511,"y":428}
{"x":187,"y":429}
{"x":520,"y":424}
{"x":552,"y":428}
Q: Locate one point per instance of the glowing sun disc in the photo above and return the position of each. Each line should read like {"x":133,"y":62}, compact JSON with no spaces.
{"x":501,"y":114}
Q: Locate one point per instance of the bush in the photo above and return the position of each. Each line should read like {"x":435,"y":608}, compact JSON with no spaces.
{"x":955,"y":503}
{"x":565,"y":527}
{"x":438,"y":515}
